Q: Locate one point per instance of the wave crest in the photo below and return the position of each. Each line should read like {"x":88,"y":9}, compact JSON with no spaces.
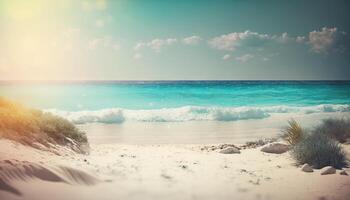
{"x":190,"y":113}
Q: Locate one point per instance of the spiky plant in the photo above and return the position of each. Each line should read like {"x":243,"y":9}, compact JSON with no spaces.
{"x":293,"y":132}
{"x":338,"y":129}
{"x":319,"y":150}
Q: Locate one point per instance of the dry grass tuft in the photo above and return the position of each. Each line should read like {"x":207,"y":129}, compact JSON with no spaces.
{"x":293,"y":132}
{"x":31,"y":126}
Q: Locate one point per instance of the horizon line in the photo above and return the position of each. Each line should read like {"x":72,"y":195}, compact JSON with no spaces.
{"x":163,"y":80}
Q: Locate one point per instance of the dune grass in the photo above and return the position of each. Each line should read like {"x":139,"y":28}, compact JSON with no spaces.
{"x":318,"y":150}
{"x":338,"y":129}
{"x":31,"y":126}
{"x":319,"y":147}
{"x":292,"y":133}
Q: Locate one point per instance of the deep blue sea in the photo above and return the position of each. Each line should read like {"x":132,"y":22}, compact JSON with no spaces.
{"x":159,"y":101}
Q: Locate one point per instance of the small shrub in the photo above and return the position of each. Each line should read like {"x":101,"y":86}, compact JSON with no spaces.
{"x":338,"y":129}
{"x":30,"y":126}
{"x":293,"y":132}
{"x":319,"y":151}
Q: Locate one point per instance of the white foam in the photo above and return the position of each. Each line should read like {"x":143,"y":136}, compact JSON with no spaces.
{"x":191,"y":113}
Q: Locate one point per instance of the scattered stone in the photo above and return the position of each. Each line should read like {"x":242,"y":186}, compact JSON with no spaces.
{"x":306,"y":168}
{"x":328,"y":170}
{"x":218,"y":147}
{"x":183,"y":166}
{"x":166,"y":176}
{"x":275,"y":147}
{"x":257,"y":143}
{"x":257,"y":182}
{"x":278,"y":166}
{"x":230,"y":150}
{"x":344,"y":173}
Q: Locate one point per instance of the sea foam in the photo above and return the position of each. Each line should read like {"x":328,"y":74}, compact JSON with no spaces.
{"x":190,"y":113}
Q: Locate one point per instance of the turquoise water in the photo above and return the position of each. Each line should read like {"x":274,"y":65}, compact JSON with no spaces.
{"x":179,"y":100}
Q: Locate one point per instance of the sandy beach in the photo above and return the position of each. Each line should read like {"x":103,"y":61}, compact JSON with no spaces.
{"x":121,"y":171}
{"x":174,"y":100}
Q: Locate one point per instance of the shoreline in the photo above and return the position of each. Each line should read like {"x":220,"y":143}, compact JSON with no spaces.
{"x":198,"y":132}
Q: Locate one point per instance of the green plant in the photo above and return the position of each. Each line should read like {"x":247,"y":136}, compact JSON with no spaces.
{"x":319,"y":150}
{"x":293,"y":132}
{"x":338,"y":129}
{"x":30,"y":126}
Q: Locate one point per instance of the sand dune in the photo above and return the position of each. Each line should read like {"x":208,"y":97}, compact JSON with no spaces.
{"x":12,"y":170}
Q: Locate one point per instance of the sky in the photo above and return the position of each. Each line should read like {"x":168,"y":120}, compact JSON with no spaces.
{"x":174,"y":40}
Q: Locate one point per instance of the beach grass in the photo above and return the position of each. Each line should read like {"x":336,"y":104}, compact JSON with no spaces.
{"x":292,"y":133}
{"x":31,"y":126}
{"x":318,"y":150}
{"x":338,"y":129}
{"x":318,"y":147}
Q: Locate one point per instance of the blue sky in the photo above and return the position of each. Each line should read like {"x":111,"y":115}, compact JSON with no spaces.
{"x":167,"y":40}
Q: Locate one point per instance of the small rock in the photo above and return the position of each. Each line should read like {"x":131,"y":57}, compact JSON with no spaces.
{"x":166,"y":176}
{"x":275,"y":147}
{"x":230,"y":150}
{"x":344,"y":173}
{"x":306,"y":168}
{"x":183,"y":166}
{"x":328,"y":170}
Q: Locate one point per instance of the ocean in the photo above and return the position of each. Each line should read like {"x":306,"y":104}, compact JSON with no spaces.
{"x":176,"y":103}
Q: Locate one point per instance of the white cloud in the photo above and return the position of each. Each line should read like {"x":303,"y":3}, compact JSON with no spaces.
{"x":244,"y":58}
{"x":234,"y":40}
{"x":192,"y":40}
{"x":139,"y":45}
{"x":284,"y":38}
{"x":106,"y":42}
{"x":322,"y":41}
{"x":300,"y":39}
{"x":155,"y":44}
{"x":226,"y":57}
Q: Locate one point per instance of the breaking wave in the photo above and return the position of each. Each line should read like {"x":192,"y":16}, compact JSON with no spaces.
{"x":190,"y":113}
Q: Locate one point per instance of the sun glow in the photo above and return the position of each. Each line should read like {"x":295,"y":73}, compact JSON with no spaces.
{"x":29,"y":37}
{"x":24,"y":10}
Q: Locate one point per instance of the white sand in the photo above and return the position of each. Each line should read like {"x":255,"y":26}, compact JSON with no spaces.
{"x":119,"y":171}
